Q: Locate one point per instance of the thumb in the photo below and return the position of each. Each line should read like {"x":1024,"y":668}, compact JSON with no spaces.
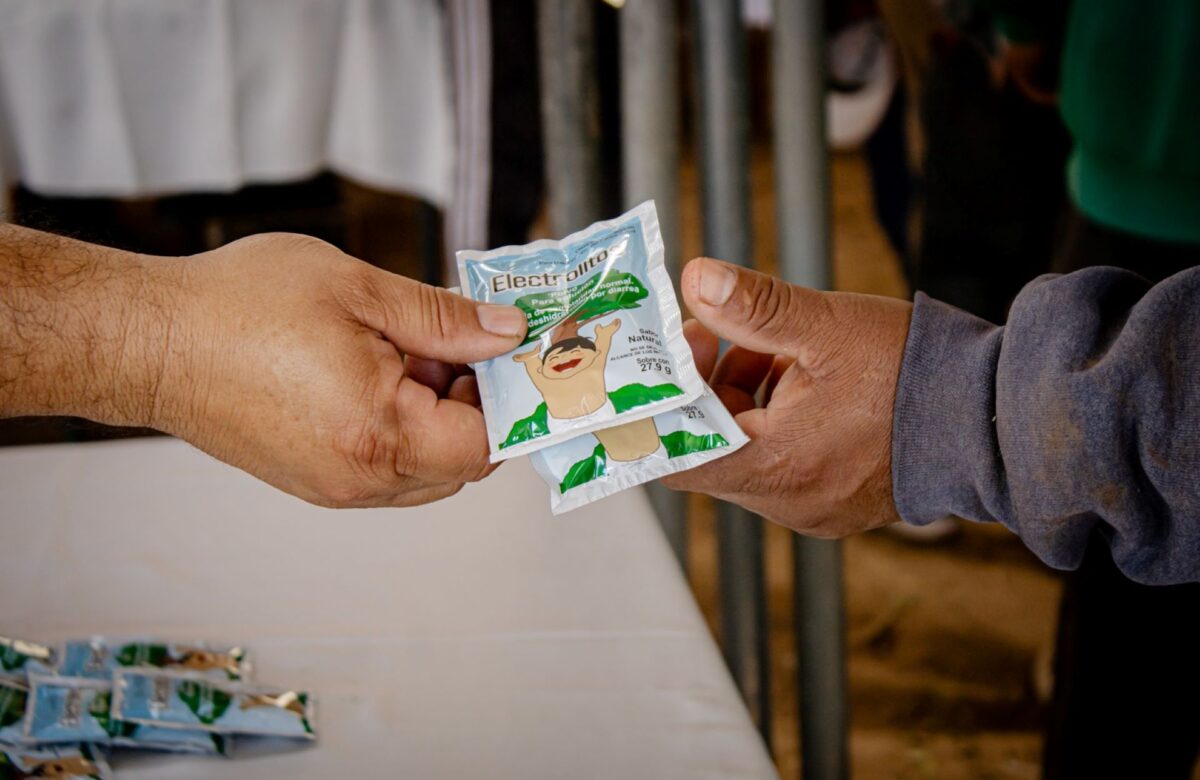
{"x":434,"y":323}
{"x":759,"y":312}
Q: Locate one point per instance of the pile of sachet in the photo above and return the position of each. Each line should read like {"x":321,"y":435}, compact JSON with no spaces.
{"x":62,"y":707}
{"x":603,"y":394}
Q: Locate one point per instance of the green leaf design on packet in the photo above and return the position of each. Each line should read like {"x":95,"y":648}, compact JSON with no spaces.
{"x":120,"y":728}
{"x":685,"y":443}
{"x":677,"y":444}
{"x":634,"y":395}
{"x":12,"y":705}
{"x":139,"y":654}
{"x":206,"y":703}
{"x":623,"y":399}
{"x":11,"y":659}
{"x":528,"y":428}
{"x":101,"y":709}
{"x":594,"y":298}
{"x":586,"y":470}
{"x":303,"y":699}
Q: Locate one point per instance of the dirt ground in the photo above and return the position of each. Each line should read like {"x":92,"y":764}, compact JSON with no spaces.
{"x":949,"y":644}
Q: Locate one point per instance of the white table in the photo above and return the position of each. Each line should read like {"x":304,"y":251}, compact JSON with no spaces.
{"x":474,"y":638}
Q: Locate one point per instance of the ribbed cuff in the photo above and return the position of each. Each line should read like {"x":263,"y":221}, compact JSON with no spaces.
{"x":945,"y":457}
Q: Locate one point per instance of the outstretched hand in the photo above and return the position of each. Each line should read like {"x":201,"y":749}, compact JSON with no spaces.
{"x":609,"y":329}
{"x":825,"y":366}
{"x":291,"y":365}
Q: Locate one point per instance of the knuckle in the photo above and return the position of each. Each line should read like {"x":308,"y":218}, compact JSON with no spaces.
{"x":405,"y":458}
{"x":354,"y":290}
{"x":368,"y":448}
{"x":439,"y":314}
{"x":369,"y":452}
{"x":769,"y":303}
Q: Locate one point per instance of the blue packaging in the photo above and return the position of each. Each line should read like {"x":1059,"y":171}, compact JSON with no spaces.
{"x":68,"y":709}
{"x":175,"y":699}
{"x":98,"y":657}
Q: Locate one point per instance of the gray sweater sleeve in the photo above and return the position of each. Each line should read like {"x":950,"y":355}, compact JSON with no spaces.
{"x":1081,"y":415}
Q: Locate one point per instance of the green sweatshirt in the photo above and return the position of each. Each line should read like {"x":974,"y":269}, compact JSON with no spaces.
{"x":1130,"y":96}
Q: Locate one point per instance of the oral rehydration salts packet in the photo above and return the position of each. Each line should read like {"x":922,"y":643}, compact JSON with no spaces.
{"x":71,"y":710}
{"x":63,"y":762}
{"x":68,"y":709}
{"x":590,"y":467}
{"x":98,"y":657}
{"x":605,"y":343}
{"x":188,"y":700}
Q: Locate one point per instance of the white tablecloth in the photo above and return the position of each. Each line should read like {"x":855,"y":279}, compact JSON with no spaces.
{"x":147,"y":97}
{"x":474,"y":638}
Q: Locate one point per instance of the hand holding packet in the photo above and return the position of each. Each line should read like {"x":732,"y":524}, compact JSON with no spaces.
{"x":614,"y":404}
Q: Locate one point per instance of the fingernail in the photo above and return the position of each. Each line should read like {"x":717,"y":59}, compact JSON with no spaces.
{"x":501,"y":320}
{"x":716,"y":283}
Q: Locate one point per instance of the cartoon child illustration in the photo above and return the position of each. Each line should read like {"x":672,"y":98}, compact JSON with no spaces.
{"x":206,"y":660}
{"x":570,"y":375}
{"x":570,"y":378}
{"x":631,"y":441}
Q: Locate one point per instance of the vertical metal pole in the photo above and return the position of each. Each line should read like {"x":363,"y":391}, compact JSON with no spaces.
{"x":802,"y":199}
{"x":570,"y":112}
{"x":650,"y":154}
{"x":650,"y":113}
{"x":466,"y":223}
{"x":724,"y":119}
{"x":821,"y":643}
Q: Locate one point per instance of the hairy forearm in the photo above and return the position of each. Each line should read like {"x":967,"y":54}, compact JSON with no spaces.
{"x":84,"y":330}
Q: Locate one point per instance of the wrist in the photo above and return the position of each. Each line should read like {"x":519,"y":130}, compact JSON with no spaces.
{"x":149,"y":380}
{"x":130,"y":323}
{"x":85,"y":330}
